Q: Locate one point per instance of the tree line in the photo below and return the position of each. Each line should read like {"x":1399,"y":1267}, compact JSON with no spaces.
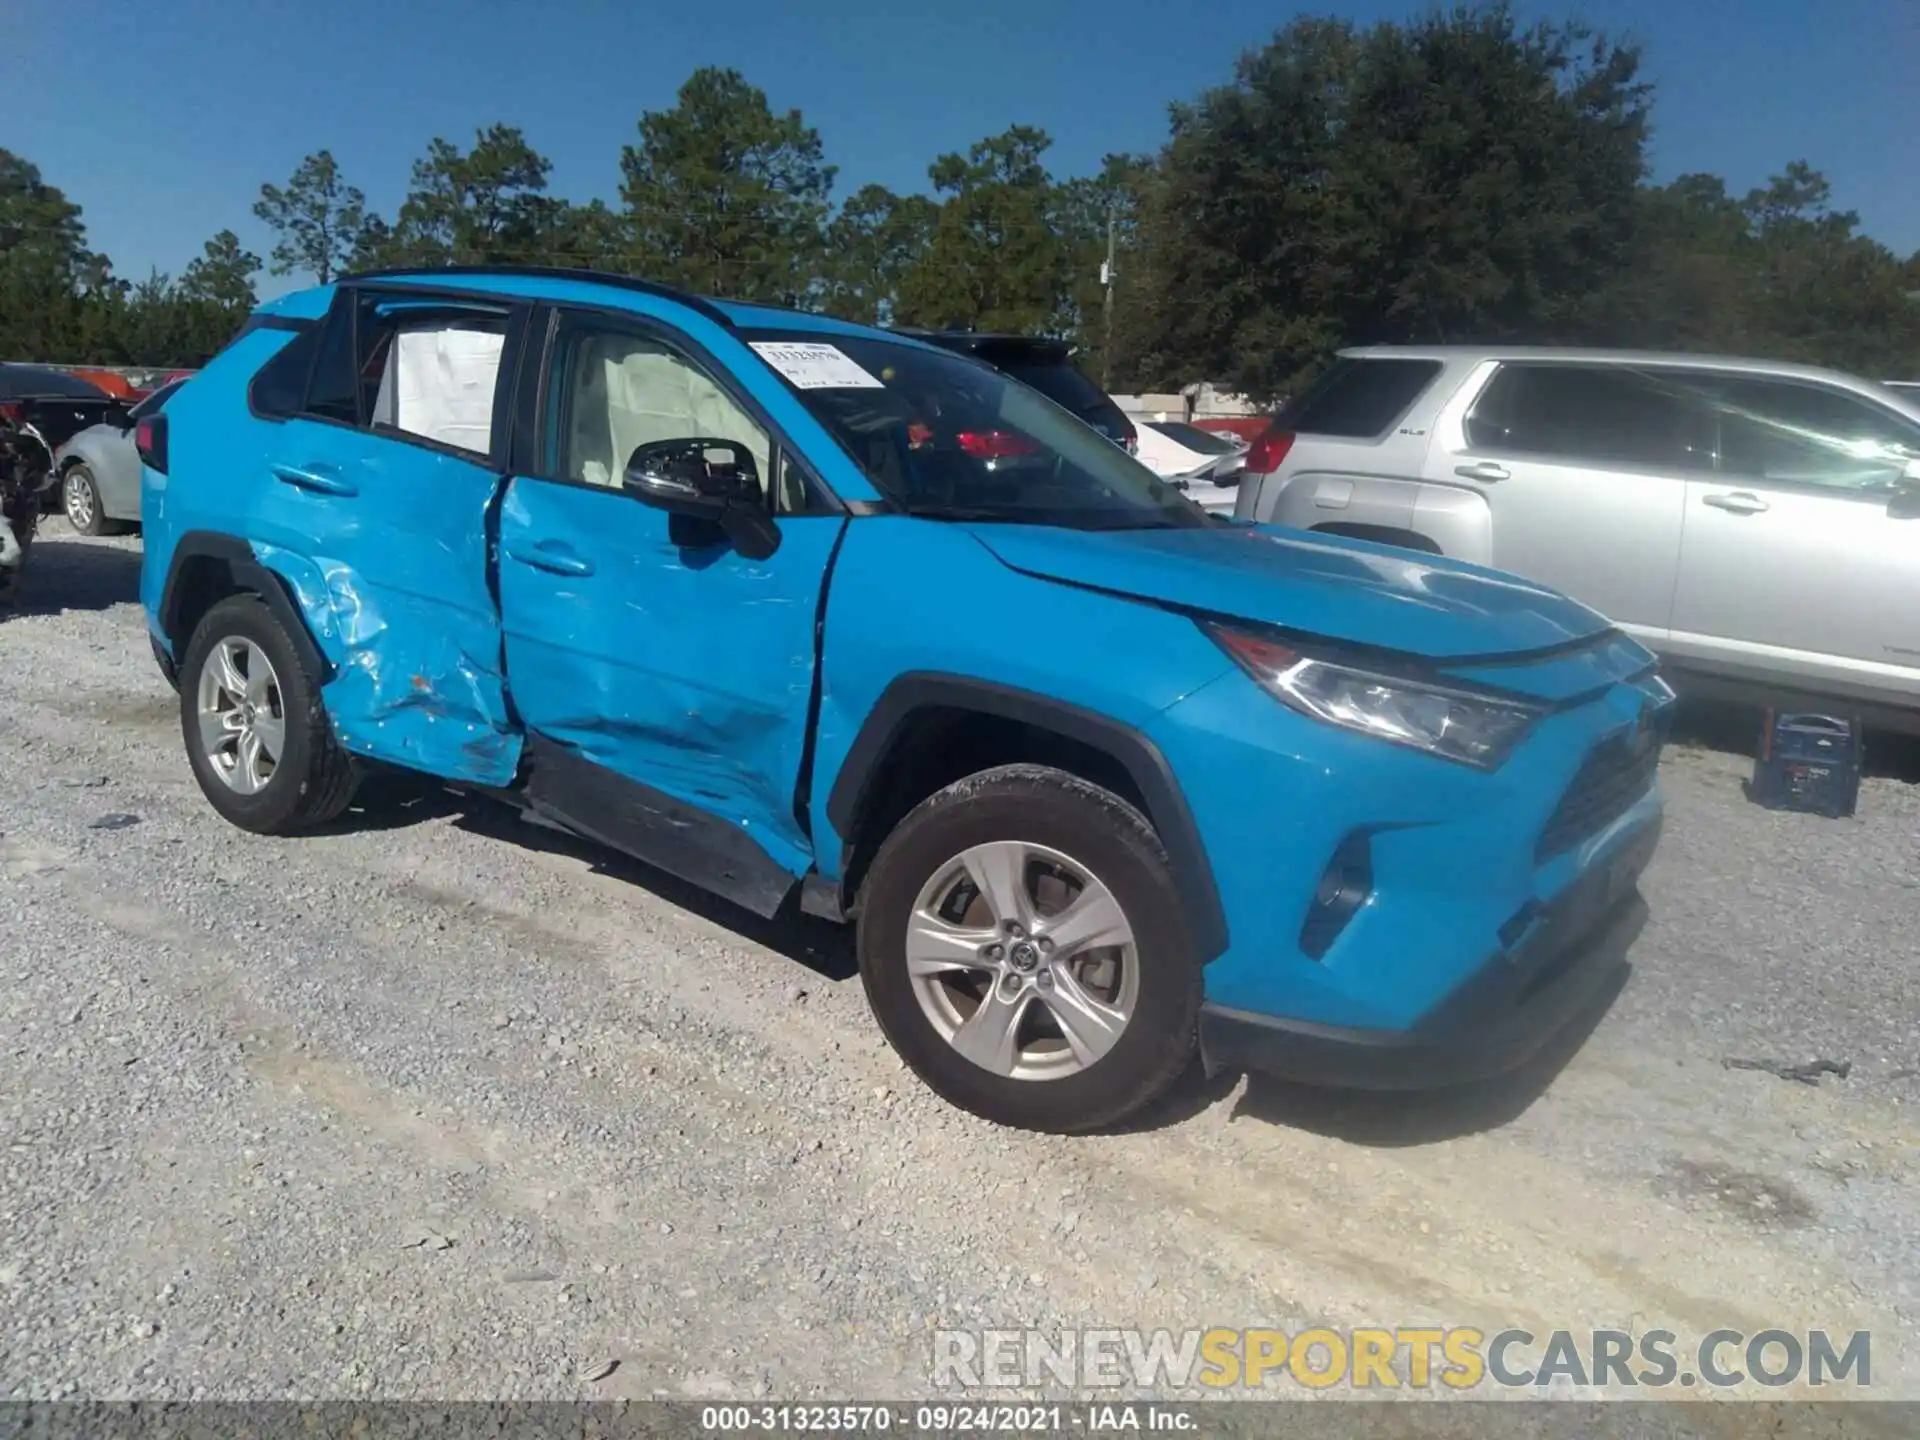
{"x":1457,"y":177}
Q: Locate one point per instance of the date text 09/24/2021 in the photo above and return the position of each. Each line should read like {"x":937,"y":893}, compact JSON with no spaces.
{"x":948,"y":1419}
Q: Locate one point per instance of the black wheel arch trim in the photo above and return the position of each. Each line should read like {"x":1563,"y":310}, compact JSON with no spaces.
{"x":856,"y":784}
{"x":248,"y":574}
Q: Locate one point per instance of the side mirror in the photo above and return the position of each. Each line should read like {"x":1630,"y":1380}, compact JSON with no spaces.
{"x":713,"y":485}
{"x":697,"y":476}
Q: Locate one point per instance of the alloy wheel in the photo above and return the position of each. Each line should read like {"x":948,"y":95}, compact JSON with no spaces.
{"x":80,"y":503}
{"x":243,"y":726}
{"x":1022,"y":960}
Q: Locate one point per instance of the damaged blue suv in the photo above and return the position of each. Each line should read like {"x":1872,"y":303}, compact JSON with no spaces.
{"x":810,"y":613}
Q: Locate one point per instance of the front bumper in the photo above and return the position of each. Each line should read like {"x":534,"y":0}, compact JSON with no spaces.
{"x":1527,"y":992}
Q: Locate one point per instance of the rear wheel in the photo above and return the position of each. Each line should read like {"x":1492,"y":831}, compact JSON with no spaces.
{"x":256,"y":732}
{"x":80,"y":495}
{"x":1022,"y":947}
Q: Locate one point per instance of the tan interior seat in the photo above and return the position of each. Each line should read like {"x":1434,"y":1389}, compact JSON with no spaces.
{"x":630,"y":392}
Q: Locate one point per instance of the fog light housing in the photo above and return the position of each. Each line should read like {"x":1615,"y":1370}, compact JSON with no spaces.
{"x":1344,"y":887}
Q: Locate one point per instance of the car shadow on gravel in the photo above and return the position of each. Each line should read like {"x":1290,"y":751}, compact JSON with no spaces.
{"x":821,"y":946}
{"x":393,"y":800}
{"x":63,"y":574}
{"x":1395,"y":1119}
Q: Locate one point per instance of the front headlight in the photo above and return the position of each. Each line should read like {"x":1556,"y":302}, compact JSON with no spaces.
{"x":1465,"y":725}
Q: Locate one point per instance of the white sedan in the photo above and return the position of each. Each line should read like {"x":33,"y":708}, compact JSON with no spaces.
{"x":1204,"y":463}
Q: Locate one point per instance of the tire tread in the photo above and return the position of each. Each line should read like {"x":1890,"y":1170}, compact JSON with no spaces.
{"x":1118,"y":1094}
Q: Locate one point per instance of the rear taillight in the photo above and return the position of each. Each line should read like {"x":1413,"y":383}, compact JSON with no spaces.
{"x":994,"y":444}
{"x":150,"y":440}
{"x":1266,"y":453}
{"x":12,"y":414}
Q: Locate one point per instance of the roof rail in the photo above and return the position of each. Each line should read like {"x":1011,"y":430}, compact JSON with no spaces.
{"x":552,"y":272}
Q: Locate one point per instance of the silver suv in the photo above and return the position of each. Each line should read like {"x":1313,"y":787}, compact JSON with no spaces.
{"x":1758,"y":524}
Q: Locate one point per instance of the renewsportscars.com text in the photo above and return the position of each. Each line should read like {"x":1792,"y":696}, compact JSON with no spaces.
{"x":1458,"y":1358}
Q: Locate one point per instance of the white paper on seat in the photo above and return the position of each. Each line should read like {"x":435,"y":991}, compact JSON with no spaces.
{"x":442,"y":383}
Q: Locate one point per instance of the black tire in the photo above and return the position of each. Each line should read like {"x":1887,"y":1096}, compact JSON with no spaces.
{"x":169,"y":671}
{"x":1115,"y":842}
{"x":97,"y":523}
{"x":314,"y":778}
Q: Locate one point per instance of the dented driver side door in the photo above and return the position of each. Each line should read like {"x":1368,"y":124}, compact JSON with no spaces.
{"x":665,"y":678}
{"x":379,"y":496}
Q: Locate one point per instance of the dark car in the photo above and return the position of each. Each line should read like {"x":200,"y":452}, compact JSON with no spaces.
{"x":1047,"y":366}
{"x":56,"y":405}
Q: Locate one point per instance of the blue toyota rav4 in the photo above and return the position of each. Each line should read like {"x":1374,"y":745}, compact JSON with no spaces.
{"x":781,"y":604}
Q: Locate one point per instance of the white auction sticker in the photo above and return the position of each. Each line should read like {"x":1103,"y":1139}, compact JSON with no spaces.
{"x":813,"y":366}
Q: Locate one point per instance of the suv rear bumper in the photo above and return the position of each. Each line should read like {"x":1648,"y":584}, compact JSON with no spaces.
{"x":1492,"y":1023}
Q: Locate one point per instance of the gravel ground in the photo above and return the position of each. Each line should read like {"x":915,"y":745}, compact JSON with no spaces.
{"x":440,"y":1105}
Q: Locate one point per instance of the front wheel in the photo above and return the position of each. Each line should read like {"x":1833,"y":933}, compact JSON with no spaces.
{"x":1021,"y":944}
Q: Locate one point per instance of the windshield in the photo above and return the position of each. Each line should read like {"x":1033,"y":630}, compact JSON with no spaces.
{"x":1194,"y":438}
{"x":949,"y":438}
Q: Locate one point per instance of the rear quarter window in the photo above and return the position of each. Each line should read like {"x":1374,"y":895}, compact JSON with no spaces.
{"x":279,"y":389}
{"x":1358,"y":399}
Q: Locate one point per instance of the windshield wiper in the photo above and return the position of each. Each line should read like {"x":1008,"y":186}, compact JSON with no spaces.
{"x":970,"y":512}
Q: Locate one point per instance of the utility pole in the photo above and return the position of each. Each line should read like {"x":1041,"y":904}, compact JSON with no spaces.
{"x":1106,"y":279}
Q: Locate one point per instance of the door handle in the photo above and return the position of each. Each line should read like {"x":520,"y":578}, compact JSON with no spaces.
{"x":556,"y":557}
{"x":1484,"y":470}
{"x":1740,"y":502}
{"x":321,"y":479}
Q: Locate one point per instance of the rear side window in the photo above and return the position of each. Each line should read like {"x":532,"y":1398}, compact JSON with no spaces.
{"x":1595,"y":414}
{"x":419,"y":366}
{"x":1358,"y":398}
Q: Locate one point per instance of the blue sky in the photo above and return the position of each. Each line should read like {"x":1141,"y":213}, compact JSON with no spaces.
{"x":163,"y":119}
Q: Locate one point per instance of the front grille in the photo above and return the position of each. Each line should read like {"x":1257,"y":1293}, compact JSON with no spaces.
{"x":1607,"y":785}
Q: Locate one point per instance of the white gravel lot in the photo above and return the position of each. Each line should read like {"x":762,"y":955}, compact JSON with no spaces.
{"x":440,"y":1105}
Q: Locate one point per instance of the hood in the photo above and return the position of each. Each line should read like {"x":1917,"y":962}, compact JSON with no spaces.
{"x":1349,"y":590}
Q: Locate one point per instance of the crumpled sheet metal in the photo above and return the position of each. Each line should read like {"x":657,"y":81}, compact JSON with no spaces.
{"x":698,"y":745}
{"x":427,"y":697}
